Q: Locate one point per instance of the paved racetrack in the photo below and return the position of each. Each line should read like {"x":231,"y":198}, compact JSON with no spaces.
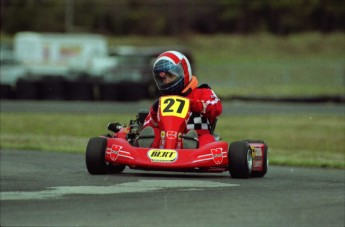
{"x":54,"y":189}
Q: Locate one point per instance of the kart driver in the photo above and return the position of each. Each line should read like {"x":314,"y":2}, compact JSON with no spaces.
{"x":173,"y":76}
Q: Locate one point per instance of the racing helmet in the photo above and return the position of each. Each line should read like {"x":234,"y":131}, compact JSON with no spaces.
{"x":172,"y":63}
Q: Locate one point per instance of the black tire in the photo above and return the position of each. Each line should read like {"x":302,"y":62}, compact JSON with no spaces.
{"x":110,"y":92}
{"x":240,"y":159}
{"x":6,"y":91}
{"x":52,"y":88}
{"x":27,"y":89}
{"x":95,"y":156}
{"x":80,"y":90}
{"x":133,"y":91}
{"x":116,"y":168}
{"x":265,"y":161}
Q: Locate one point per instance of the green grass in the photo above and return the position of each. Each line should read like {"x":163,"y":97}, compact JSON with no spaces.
{"x":309,"y":64}
{"x":53,"y":132}
{"x":298,"y":140}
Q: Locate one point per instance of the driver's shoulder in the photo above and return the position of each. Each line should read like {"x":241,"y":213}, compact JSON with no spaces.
{"x":201,"y":92}
{"x":204,"y":86}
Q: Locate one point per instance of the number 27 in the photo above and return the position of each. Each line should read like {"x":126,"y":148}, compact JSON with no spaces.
{"x":170,"y":105}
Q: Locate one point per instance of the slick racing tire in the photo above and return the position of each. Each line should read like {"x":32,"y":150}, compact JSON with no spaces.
{"x":265,"y":160}
{"x":240,"y":159}
{"x":27,"y":89}
{"x":116,"y":168}
{"x":95,"y":156}
{"x":80,"y":90}
{"x":109,"y":92}
{"x":133,"y":91}
{"x":52,"y":88}
{"x":6,"y":91}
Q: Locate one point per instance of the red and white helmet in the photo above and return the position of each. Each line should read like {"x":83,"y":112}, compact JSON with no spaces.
{"x":175,"y":63}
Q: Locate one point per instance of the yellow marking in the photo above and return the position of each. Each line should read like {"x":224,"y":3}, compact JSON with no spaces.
{"x":157,"y":155}
{"x":174,"y":106}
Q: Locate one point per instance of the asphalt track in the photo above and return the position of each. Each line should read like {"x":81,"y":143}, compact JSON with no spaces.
{"x":54,"y":189}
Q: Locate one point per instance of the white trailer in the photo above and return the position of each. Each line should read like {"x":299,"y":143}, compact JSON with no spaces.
{"x":61,"y":66}
{"x":58,"y":54}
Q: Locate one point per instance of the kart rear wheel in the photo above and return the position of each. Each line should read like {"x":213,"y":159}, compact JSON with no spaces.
{"x":240,"y":159}
{"x":265,"y":159}
{"x":95,"y":156}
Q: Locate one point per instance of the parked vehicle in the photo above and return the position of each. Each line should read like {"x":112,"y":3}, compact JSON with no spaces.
{"x":83,"y":67}
{"x":59,"y":66}
{"x":10,"y":71}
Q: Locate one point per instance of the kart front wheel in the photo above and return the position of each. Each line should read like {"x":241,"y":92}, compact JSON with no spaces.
{"x":240,"y":159}
{"x":95,"y":156}
{"x":116,"y":168}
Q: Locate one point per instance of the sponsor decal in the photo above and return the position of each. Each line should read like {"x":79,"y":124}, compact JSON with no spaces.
{"x":258,"y":151}
{"x":253,"y":151}
{"x":171,"y":135}
{"x":257,"y":164}
{"x":162,"y":155}
{"x":68,"y":51}
{"x":114,"y":152}
{"x":162,"y":134}
{"x":217,"y":155}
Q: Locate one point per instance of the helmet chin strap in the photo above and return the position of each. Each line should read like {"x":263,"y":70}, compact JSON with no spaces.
{"x":193,"y":83}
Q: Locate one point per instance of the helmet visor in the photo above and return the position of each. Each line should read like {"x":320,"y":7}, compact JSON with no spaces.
{"x":166,"y":77}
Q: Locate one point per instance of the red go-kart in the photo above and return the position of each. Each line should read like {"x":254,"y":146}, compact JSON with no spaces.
{"x":112,"y":153}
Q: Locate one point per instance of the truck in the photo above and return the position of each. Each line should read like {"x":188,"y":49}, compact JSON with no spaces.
{"x":60,"y":65}
{"x":10,"y":71}
{"x":84,"y":67}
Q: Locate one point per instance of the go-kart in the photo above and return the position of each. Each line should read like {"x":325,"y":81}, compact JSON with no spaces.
{"x":111,"y":153}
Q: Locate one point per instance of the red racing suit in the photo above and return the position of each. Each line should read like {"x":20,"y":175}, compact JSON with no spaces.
{"x":205,"y":107}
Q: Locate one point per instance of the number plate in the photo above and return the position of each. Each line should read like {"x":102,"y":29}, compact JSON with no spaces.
{"x":174,"y":106}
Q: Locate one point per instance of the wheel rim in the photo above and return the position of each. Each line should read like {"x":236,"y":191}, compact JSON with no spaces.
{"x":249,"y":160}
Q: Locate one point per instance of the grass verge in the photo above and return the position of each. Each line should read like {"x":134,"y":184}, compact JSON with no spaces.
{"x":308,"y":64}
{"x":296,"y":140}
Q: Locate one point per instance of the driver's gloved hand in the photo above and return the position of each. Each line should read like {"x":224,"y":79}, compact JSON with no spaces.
{"x":197,"y":106}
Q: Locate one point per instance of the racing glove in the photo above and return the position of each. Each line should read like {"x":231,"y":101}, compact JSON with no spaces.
{"x":198,"y":106}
